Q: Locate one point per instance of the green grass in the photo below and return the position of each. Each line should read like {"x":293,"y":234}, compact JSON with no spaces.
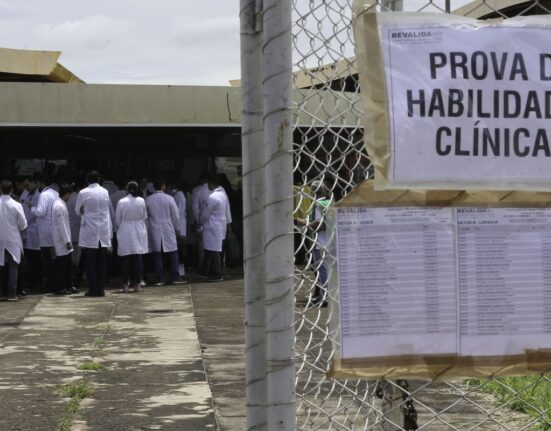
{"x":76,"y":391}
{"x":93,"y":366}
{"x":530,"y":395}
{"x":107,"y":327}
{"x":79,"y":389}
{"x":99,"y":341}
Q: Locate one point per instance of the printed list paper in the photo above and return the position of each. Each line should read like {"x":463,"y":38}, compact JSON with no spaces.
{"x":444,"y":281}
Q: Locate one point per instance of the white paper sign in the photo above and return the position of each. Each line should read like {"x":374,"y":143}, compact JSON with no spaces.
{"x":443,"y":281}
{"x":470,"y":105}
{"x":397,"y":281}
{"x":504,"y":275}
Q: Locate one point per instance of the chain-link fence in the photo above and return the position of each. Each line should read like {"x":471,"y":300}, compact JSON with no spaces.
{"x":329,"y":160}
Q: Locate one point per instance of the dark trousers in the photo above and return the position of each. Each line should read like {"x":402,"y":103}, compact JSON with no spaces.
{"x":63,"y":273}
{"x":95,"y":263}
{"x":9,"y":276}
{"x":113,"y":260}
{"x":48,"y":256}
{"x":320,"y":291}
{"x":34,"y":263}
{"x":212,"y":264}
{"x":172,"y":262}
{"x":199,"y":250}
{"x":78,"y":265}
{"x":223,"y":257}
{"x":132,"y":269}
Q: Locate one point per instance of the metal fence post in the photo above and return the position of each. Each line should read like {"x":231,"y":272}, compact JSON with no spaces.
{"x":280,"y":334}
{"x":253,"y":155}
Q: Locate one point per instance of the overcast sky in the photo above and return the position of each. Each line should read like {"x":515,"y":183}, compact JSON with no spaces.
{"x":131,"y":41}
{"x":137,"y":41}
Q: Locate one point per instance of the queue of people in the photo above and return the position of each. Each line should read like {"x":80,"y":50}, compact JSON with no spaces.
{"x":60,"y":232}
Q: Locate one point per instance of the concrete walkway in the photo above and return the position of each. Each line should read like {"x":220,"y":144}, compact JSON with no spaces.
{"x":170,"y":358}
{"x":152,"y":375}
{"x":219,"y":313}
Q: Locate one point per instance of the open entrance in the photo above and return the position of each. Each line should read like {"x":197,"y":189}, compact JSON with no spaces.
{"x":123,"y":153}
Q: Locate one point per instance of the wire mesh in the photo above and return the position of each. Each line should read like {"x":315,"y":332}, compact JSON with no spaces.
{"x":328,"y":148}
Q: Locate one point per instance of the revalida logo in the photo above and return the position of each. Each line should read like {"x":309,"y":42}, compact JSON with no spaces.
{"x":411,"y":34}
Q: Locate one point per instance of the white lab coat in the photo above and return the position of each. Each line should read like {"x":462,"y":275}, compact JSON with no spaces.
{"x":31,"y":240}
{"x":95,"y":225}
{"x":228,"y":212}
{"x":12,"y":222}
{"x":43,"y":213}
{"x":214,"y":220}
{"x":61,"y":229}
{"x":131,"y":216}
{"x":163,"y":222}
{"x":180,"y":199}
{"x":23,"y":197}
{"x":74,"y":217}
{"x":199,"y":198}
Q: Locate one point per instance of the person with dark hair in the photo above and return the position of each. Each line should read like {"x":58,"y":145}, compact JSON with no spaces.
{"x":163,"y":224}
{"x":94,"y":206}
{"x":92,"y":177}
{"x":19,"y":188}
{"x":63,"y":246}
{"x":316,"y":224}
{"x":199,"y":198}
{"x":131,"y":215}
{"x":214,"y":230}
{"x":31,"y":241}
{"x":43,"y":213}
{"x":74,"y":223}
{"x":225,"y":186}
{"x":181,"y":203}
{"x":11,"y":245}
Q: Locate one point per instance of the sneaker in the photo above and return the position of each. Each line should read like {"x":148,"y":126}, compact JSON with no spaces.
{"x":62,"y":292}
{"x":74,"y":290}
{"x":214,"y":279}
{"x":13,"y":299}
{"x":179,"y":281}
{"x":201,"y":274}
{"x":158,"y":284}
{"x":138,"y":288}
{"x":142,"y":284}
{"x":124,"y":289}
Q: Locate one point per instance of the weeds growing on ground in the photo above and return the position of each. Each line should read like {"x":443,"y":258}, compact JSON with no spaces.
{"x":92,"y":366}
{"x":99,"y":341}
{"x":76,"y":391}
{"x":107,"y":327}
{"x":530,"y":395}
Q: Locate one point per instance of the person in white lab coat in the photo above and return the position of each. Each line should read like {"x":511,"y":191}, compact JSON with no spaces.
{"x":181,"y":203}
{"x":214,"y":221}
{"x":74,"y":224}
{"x":11,"y":245}
{"x":43,"y":213}
{"x":131,"y":216}
{"x":31,"y":241}
{"x":94,"y":206}
{"x":199,"y":197}
{"x":63,"y":245}
{"x":163,"y":225}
